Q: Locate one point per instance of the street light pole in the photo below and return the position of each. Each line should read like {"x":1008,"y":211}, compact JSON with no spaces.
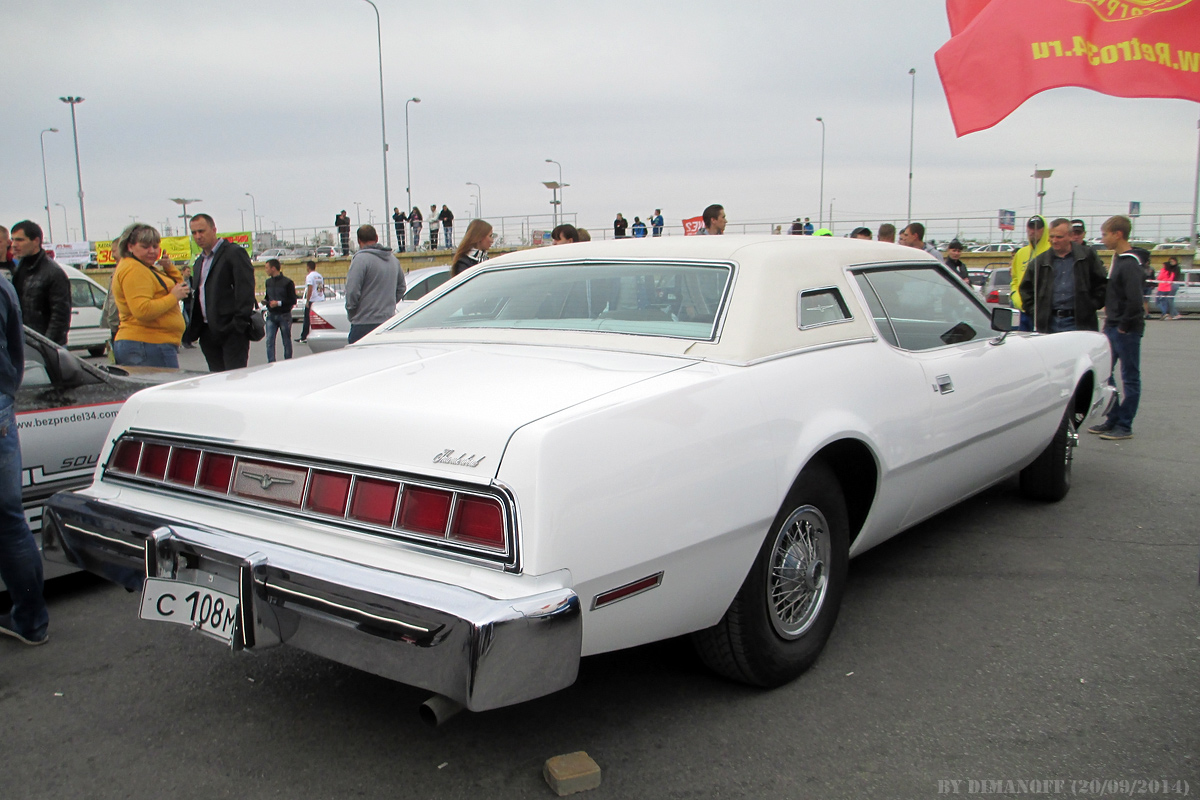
{"x":45,"y":184}
{"x":1196,"y":202}
{"x":1040,"y":176}
{"x":912,"y":128}
{"x":242,"y":211}
{"x":73,"y":101}
{"x":558,"y":208}
{"x":66,"y":230}
{"x":821,"y":202}
{"x":387,"y":200}
{"x":358,"y":212}
{"x":478,"y":199}
{"x":183,"y":201}
{"x":254,"y":212}
{"x":407,"y":154}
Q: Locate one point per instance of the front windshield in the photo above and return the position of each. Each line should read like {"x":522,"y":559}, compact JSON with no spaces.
{"x":681,"y":301}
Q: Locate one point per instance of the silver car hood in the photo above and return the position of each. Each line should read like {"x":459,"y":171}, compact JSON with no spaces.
{"x":445,"y":409}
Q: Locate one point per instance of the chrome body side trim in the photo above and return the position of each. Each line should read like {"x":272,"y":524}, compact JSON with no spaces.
{"x":480,"y":651}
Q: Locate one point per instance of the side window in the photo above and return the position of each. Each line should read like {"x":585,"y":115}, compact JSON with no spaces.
{"x":417,"y":291}
{"x":81,"y":295}
{"x":882,"y":323}
{"x":816,"y":307}
{"x":926,"y":310}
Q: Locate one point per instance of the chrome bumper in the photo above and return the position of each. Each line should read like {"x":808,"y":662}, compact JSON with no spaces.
{"x":477,"y":650}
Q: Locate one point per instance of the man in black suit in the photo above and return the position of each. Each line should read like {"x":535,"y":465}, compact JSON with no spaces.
{"x":222,"y":298}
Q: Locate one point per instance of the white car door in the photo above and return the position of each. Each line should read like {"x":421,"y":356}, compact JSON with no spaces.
{"x":989,"y":393}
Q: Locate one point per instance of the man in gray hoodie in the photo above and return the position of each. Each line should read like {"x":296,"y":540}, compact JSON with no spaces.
{"x":374,"y":284}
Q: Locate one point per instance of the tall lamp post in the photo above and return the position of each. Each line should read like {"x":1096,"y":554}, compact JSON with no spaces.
{"x":553,"y":186}
{"x":821,"y":203}
{"x":1040,"y":176}
{"x":912,"y":129}
{"x":73,"y":101}
{"x":387,"y":200}
{"x":478,"y":199}
{"x":560,"y":189}
{"x":358,"y":212}
{"x":183,"y":201}
{"x":407,"y":155}
{"x":253,"y":212}
{"x":45,"y":183}
{"x":242,"y":211}
{"x":1196,"y":201}
{"x":66,"y":230}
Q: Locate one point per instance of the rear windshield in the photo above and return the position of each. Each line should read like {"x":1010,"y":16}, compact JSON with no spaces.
{"x":680,"y":301}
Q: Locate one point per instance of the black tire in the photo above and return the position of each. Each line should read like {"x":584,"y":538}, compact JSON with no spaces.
{"x":1048,"y":478}
{"x":97,"y":349}
{"x":779,"y":621}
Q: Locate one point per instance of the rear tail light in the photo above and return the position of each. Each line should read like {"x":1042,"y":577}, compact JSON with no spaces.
{"x":215,"y":472}
{"x":478,"y":520}
{"x":185,"y":465}
{"x":470,"y":518}
{"x":425,"y":510}
{"x":374,"y":501}
{"x":154,"y":461}
{"x":318,"y":323}
{"x":994,"y":296}
{"x":328,"y":492}
{"x":126,"y":455}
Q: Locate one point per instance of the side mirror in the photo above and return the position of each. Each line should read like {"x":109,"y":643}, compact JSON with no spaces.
{"x":1002,"y":319}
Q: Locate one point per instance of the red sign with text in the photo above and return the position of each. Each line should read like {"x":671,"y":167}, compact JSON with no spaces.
{"x":693,"y":226}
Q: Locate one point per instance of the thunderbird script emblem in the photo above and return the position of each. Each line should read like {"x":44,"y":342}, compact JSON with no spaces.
{"x":448,"y":457}
{"x":265,"y":480}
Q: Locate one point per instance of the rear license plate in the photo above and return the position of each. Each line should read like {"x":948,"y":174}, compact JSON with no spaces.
{"x":207,"y":610}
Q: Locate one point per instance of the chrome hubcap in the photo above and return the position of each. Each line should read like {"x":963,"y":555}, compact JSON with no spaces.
{"x":798,"y":577}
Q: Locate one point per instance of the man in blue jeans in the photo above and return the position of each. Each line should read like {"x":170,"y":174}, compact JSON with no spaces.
{"x":20,"y":561}
{"x":1123,"y":325}
{"x":280,"y":299}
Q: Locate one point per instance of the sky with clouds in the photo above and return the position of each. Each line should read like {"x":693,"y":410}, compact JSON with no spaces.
{"x":670,"y":105}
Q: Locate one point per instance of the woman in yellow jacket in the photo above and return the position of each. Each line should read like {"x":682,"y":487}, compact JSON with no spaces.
{"x":147,"y":296}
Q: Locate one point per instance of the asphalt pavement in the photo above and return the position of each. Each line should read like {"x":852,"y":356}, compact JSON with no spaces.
{"x":1003,"y":640}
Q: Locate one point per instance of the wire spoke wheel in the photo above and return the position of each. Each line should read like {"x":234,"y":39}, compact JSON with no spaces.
{"x":799,"y":572}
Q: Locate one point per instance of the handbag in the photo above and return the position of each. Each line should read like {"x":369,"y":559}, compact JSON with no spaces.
{"x":258,"y":326}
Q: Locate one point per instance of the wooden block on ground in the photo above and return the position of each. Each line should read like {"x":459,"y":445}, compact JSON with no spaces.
{"x":571,"y":773}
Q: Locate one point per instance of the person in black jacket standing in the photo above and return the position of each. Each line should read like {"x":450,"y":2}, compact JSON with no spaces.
{"x":222,"y":298}
{"x":447,"y":218}
{"x":1062,"y":287}
{"x":1123,"y":325}
{"x":342,"y":221}
{"x":42,"y":286}
{"x":399,"y":220}
{"x":280,"y":299}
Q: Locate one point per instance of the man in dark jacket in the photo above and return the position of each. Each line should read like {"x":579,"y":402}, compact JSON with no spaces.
{"x":1062,"y":287}
{"x":280,"y":299}
{"x":222,"y":298}
{"x":42,"y":286}
{"x":447,"y":218}
{"x":952,"y":260}
{"x":342,"y":221}
{"x":1124,"y":324}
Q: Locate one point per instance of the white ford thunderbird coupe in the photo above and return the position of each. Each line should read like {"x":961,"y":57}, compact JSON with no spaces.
{"x":578,"y":449}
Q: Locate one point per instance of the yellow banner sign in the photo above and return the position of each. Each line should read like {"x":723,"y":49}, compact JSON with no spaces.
{"x":179,"y":248}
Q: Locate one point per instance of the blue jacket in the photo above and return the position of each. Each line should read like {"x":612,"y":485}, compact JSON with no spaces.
{"x":12,"y":355}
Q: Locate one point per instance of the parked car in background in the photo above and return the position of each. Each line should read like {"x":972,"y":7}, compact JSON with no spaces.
{"x":1187,"y":292}
{"x":979,"y":276}
{"x":573,"y":450}
{"x":998,"y":247}
{"x":87,"y":329}
{"x":997,"y":288}
{"x":1185,"y":245}
{"x":274,"y":252}
{"x":325,"y":251}
{"x":330,"y":327}
{"x":64,"y":409}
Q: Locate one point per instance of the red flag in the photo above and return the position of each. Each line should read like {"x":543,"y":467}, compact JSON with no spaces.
{"x":1009,"y":50}
{"x":961,"y":12}
{"x":693,"y":226}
